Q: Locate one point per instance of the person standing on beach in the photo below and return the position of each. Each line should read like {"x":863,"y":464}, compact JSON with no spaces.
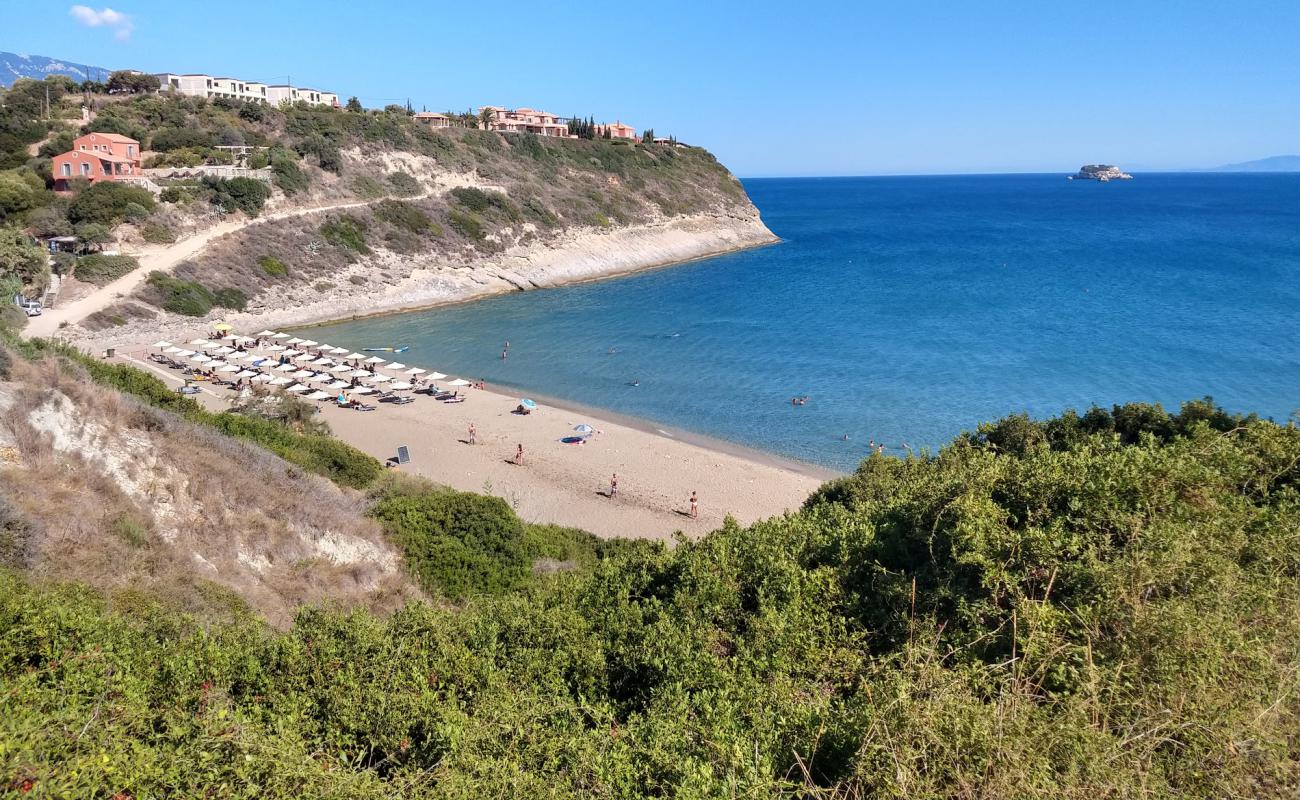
{"x":519,"y":454}
{"x":473,"y":434}
{"x":695,"y":506}
{"x":613,"y":486}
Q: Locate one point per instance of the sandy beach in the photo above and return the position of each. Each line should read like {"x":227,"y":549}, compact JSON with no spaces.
{"x":563,"y":484}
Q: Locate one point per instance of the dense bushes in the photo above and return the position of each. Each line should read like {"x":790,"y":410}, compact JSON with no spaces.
{"x":100,"y":269}
{"x":404,"y":216}
{"x":191,"y":298}
{"x":346,"y":231}
{"x":403,"y":184}
{"x":238,"y":194}
{"x":273,"y":266}
{"x":107,"y":203}
{"x":1095,"y":619}
{"x":466,"y":224}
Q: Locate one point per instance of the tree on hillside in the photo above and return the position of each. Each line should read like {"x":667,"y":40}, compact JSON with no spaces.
{"x":486,"y":117}
{"x":130,"y":82}
{"x":649,"y":136}
{"x":21,"y":259}
{"x":106,"y":203}
{"x":354,"y":105}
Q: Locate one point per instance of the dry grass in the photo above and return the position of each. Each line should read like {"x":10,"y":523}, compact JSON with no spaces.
{"x":127,"y":496}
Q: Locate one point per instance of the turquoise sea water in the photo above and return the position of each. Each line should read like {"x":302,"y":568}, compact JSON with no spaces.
{"x":912,"y":308}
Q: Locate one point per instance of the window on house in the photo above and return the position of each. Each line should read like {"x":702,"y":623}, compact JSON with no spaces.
{"x":65,"y":170}
{"x":85,"y":169}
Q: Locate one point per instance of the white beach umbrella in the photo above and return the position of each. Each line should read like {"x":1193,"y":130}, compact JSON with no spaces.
{"x":263,"y":379}
{"x":275,"y":348}
{"x":338,"y":351}
{"x":217,"y":363}
{"x":229,"y":368}
{"x":362,"y":390}
{"x":294,"y":340}
{"x":246,"y":373}
{"x":339,"y":385}
{"x":199,"y":358}
{"x":375,"y":360}
{"x":286,"y":368}
{"x":223,"y":350}
{"x":320,"y":362}
{"x":401,"y":386}
{"x":379,"y":378}
{"x":201,"y":342}
{"x":245,"y":339}
{"x":355,"y":355}
{"x":458,"y":382}
{"x":162,"y":344}
{"x":416,"y":371}
{"x":230,"y":337}
{"x":266,"y":333}
{"x":299,"y":387}
{"x":395,"y":366}
{"x":184,"y":353}
{"x":303,"y":373}
{"x":319,"y":396}
{"x":309,"y":342}
{"x":305,"y":357}
{"x":280,"y":336}
{"x":175,"y":349}
{"x":341,"y":368}
{"x":434,"y":376}
{"x":279,"y":381}
{"x":360,"y":373}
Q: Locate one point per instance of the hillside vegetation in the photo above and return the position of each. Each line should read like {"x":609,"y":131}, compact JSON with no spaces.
{"x":1101,"y":605}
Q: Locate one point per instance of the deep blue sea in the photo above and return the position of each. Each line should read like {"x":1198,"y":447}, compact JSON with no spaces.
{"x":910,"y":309}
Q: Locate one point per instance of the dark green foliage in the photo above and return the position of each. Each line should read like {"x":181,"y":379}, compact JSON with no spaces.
{"x":189,"y":298}
{"x":346,"y":231}
{"x":106,"y":203}
{"x":238,"y":194}
{"x":326,"y":152}
{"x":156,"y":233}
{"x":230,"y":298}
{"x":403,"y":184}
{"x":1097,"y":619}
{"x":466,"y":224}
{"x":288,"y":175}
{"x":457,"y":543}
{"x":481,"y":202}
{"x":404,"y":216}
{"x":132,"y":82}
{"x":169,"y":139}
{"x":273,"y":266}
{"x":100,"y":269}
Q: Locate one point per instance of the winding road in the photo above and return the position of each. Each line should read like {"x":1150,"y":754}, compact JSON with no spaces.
{"x":164,"y":258}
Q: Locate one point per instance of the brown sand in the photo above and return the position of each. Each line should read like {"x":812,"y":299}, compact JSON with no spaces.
{"x":567,"y":484}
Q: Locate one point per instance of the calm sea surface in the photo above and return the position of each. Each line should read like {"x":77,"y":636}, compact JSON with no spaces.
{"x":910,"y":309}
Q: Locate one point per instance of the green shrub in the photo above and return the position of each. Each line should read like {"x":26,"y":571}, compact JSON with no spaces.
{"x":107,"y":203}
{"x":403,"y":215}
{"x":156,"y":233}
{"x":100,"y":269}
{"x":230,"y":298}
{"x":273,"y":266}
{"x":457,"y":543}
{"x":403,"y":183}
{"x":466,"y":224}
{"x":288,"y":175}
{"x":367,"y":187}
{"x":238,"y":194}
{"x":189,"y":298}
{"x":481,"y":202}
{"x":346,"y":231}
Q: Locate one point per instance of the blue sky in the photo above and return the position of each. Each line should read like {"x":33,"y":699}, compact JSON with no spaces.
{"x":773,"y":88}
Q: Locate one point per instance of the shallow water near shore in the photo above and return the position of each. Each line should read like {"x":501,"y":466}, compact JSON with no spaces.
{"x":911,"y":308}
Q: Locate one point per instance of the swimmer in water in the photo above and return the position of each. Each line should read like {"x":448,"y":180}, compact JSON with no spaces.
{"x":634,"y":382}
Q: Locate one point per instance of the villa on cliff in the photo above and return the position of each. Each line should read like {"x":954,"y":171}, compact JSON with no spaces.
{"x":97,"y":157}
{"x":526,"y":120}
{"x":617,"y":130}
{"x":434,"y":120}
{"x":207,"y":86}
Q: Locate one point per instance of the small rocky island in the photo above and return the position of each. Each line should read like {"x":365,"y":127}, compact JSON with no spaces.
{"x":1101,"y":172}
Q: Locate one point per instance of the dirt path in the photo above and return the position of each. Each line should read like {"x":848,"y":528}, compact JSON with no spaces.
{"x":163,"y":258}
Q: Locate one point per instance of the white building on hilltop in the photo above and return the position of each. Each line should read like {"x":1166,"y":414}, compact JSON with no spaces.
{"x":200,"y":85}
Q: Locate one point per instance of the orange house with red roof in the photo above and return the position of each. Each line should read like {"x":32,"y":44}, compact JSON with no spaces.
{"x":97,"y":157}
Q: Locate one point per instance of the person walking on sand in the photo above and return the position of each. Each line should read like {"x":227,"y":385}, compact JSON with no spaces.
{"x":695,"y":506}
{"x":613,"y":486}
{"x":519,"y":455}
{"x":473,"y":434}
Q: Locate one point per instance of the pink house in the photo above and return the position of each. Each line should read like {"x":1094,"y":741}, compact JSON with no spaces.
{"x":525,"y":120}
{"x":97,"y":157}
{"x":617,"y":130}
{"x":433,"y":120}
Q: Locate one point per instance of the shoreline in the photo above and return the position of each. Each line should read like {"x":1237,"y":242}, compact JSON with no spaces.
{"x":564,"y":484}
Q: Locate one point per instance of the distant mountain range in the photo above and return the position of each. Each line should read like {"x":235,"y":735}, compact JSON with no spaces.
{"x":14,"y":66}
{"x":1270,"y":164}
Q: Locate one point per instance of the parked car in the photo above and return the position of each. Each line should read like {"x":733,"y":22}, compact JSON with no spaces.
{"x":31,"y":307}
